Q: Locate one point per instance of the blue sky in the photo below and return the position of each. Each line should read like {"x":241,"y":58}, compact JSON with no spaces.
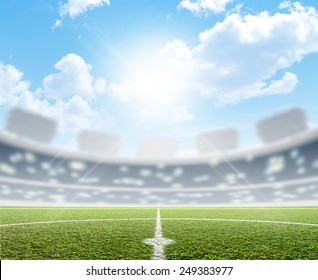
{"x":156,"y":68}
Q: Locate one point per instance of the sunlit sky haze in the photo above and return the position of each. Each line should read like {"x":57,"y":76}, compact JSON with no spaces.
{"x":158,"y":68}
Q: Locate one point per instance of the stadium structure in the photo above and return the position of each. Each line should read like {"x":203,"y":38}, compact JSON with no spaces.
{"x":282,"y":172}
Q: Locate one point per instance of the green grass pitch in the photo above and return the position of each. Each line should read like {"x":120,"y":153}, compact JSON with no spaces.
{"x":198,"y":233}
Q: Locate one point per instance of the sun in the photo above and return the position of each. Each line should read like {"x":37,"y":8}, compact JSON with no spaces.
{"x":157,"y":85}
{"x":155,"y":82}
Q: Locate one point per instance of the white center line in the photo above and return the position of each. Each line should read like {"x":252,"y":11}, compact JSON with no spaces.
{"x":158,"y":242}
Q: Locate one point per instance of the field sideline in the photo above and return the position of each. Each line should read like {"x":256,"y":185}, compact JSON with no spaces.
{"x":273,"y":233}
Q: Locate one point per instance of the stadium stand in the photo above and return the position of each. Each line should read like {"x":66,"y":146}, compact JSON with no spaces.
{"x":285,"y":171}
{"x":59,"y":195}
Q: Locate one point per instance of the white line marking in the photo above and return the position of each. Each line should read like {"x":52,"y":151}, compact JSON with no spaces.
{"x":158,"y":242}
{"x":237,"y":220}
{"x":158,"y":227}
{"x":111,"y":208}
{"x":77,"y":221}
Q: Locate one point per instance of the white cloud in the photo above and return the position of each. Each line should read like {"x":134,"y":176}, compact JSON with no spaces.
{"x":58,"y":23}
{"x":74,"y":78}
{"x":14,"y":91}
{"x":242,"y":57}
{"x":177,"y":49}
{"x":71,"y":107}
{"x":285,"y":85}
{"x":239,"y":57}
{"x":72,"y":114}
{"x":282,"y":86}
{"x":74,"y":8}
{"x":204,"y":6}
{"x":182,"y":114}
{"x":75,"y":114}
{"x":11,"y":83}
{"x":285,"y":5}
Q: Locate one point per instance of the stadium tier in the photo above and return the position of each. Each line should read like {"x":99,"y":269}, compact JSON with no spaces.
{"x":285,"y":171}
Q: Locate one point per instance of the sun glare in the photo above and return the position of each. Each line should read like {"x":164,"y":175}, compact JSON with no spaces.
{"x":157,"y":83}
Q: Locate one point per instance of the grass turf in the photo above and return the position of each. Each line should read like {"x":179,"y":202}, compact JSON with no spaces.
{"x":194,"y":239}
